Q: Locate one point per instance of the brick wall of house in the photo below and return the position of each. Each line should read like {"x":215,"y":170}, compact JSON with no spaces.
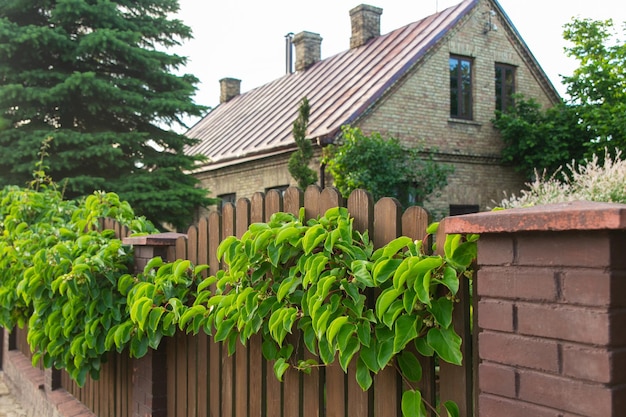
{"x":247,"y":178}
{"x":417,"y":110}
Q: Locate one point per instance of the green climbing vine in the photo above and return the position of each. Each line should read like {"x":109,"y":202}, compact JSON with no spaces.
{"x":59,"y":272}
{"x":72,"y":283}
{"x":315,"y":277}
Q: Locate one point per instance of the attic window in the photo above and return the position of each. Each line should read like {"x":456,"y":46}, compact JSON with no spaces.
{"x":461,"y":87}
{"x":505,"y":86}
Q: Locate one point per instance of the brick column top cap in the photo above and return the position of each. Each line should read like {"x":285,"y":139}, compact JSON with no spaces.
{"x":158,"y":239}
{"x":575,"y":215}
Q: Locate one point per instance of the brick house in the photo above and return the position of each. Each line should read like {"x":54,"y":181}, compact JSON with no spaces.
{"x":436,"y":82}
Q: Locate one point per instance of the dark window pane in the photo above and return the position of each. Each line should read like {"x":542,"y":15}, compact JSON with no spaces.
{"x":504,"y":86}
{"x":460,"y":87}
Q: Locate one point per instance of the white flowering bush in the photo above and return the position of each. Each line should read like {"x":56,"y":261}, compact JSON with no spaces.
{"x":595,"y":180}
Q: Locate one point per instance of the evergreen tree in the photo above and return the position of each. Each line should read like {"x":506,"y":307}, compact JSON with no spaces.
{"x":93,"y":75}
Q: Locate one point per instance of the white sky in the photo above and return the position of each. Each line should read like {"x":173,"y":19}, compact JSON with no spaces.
{"x":245,"y":39}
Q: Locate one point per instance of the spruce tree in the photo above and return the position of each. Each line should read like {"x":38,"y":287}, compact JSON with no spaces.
{"x":96,"y":77}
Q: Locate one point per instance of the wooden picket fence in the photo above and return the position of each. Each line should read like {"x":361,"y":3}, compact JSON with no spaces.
{"x":203,"y":380}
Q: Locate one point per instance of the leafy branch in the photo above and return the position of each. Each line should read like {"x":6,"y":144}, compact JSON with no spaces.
{"x":315,"y":277}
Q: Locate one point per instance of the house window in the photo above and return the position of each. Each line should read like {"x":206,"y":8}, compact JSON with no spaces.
{"x":505,"y":86}
{"x":460,"y":87}
{"x":226,"y":198}
{"x":460,"y":209}
{"x":280,"y":188}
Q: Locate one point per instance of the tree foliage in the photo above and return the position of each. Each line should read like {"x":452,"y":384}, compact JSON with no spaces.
{"x":94,"y":76}
{"x":593,"y":119}
{"x":537,"y":139}
{"x":384,"y":167}
{"x":598,"y":86}
{"x":299,"y":161}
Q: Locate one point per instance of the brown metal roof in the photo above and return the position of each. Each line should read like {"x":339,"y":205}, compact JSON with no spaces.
{"x":339,"y":90}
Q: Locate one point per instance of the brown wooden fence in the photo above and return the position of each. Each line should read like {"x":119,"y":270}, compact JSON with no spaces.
{"x":202,"y":380}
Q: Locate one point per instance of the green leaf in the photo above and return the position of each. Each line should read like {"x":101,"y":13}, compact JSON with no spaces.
{"x":269,"y":350}
{"x":452,"y":408}
{"x":288,"y":286}
{"x":447,"y":344}
{"x":280,"y":367}
{"x":384,"y":301}
{"x":190,"y":315}
{"x":346,"y":354}
{"x":327,"y":353}
{"x":363,"y":375}
{"x":288,"y":232}
{"x":313,"y":237}
{"x":410,"y":366}
{"x":412,"y":405}
{"x":423,"y":347}
{"x":450,"y":279}
{"x":155,"y":317}
{"x":385,"y":268}
{"x":384,"y":353}
{"x":441,"y":309}
{"x":223,"y":329}
{"x":395,"y":245}
{"x":334,"y":328}
{"x":360,"y":270}
{"x":181,"y":267}
{"x":153,"y":263}
{"x":464,"y":255}
{"x":406,"y":329}
{"x":432,"y":228}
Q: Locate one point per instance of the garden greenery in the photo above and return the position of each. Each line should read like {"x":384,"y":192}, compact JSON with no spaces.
{"x":59,"y":272}
{"x":73,"y":284}
{"x":592,"y":180}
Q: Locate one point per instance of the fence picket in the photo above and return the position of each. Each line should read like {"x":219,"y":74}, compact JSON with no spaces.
{"x":293,"y":199}
{"x":228,"y":370}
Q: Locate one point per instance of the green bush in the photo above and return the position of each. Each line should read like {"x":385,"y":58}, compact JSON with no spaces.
{"x":59,"y":272}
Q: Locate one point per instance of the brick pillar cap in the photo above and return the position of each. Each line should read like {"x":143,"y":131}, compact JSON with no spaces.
{"x":158,"y":239}
{"x":576,"y":215}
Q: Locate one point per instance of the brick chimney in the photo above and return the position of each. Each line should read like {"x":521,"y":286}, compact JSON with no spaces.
{"x":365,"y":22}
{"x":229,"y":88}
{"x":308,"y":49}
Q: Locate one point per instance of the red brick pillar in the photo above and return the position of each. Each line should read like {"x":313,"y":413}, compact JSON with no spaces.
{"x":551,"y":312}
{"x":149,"y":382}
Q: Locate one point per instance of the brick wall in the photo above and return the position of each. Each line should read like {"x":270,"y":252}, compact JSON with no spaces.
{"x":417,"y":110}
{"x":551,"y":310}
{"x":245,"y":179}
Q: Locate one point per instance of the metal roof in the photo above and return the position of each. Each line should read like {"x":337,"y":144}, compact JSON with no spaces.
{"x":339,"y":89}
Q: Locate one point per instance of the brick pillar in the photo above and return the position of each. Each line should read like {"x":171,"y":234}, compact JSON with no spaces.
{"x":149,"y":383}
{"x":551,"y":312}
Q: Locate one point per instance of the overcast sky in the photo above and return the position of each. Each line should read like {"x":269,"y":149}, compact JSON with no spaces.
{"x":245,"y":39}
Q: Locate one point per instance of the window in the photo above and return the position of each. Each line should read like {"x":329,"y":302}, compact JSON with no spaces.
{"x":460,"y":87}
{"x":505,"y":86}
{"x":460,"y":209}
{"x":280,"y":188}
{"x":226,"y":198}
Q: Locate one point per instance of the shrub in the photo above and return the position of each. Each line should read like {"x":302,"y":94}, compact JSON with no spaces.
{"x":591,"y":181}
